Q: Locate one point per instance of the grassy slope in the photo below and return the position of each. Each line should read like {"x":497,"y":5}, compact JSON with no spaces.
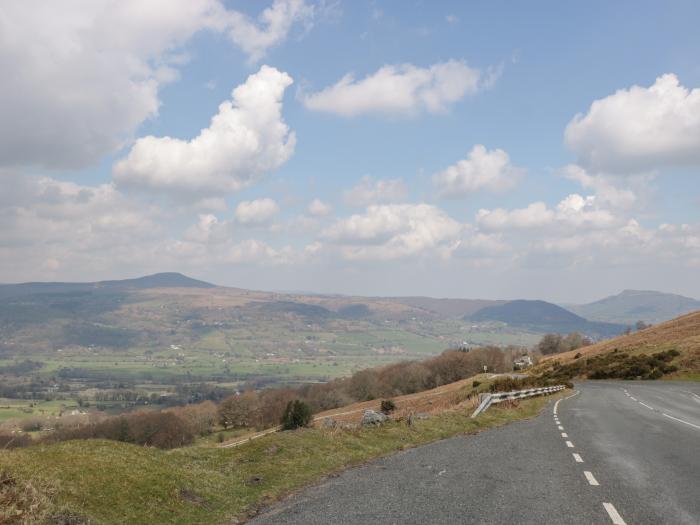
{"x":111,"y":482}
{"x":682,"y":334}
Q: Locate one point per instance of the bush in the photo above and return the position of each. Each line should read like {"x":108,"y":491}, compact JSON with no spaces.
{"x":296,"y":415}
{"x":8,"y":441}
{"x":156,"y":429}
{"x":32,"y":424}
{"x":387,"y":406}
{"x":475,"y":384}
{"x":617,"y":365}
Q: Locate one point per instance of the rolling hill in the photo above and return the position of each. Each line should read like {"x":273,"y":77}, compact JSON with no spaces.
{"x":631,"y":306}
{"x":545,"y":317}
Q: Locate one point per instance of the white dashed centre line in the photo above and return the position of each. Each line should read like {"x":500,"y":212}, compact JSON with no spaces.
{"x":614,"y":515}
{"x":645,"y":405}
{"x":633,"y":398}
{"x":578,"y":458}
{"x":590,"y":478}
{"x":560,"y":427}
{"x":680,"y":420}
{"x":564,"y":435}
{"x":569,"y":444}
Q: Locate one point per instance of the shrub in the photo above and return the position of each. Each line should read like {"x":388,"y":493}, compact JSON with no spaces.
{"x":387,"y":406}
{"x":32,"y":424}
{"x":296,"y":415}
{"x":8,"y":441}
{"x":475,"y":383}
{"x":157,"y":429}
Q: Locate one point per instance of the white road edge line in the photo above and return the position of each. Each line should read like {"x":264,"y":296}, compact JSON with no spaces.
{"x":644,"y":404}
{"x":614,"y":515}
{"x":578,"y":458}
{"x":569,"y":444}
{"x":591,"y":479}
{"x":633,"y":398}
{"x":680,"y":420}
{"x":556,"y":405}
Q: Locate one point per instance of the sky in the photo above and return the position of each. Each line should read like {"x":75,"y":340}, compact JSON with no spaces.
{"x":487,"y":149}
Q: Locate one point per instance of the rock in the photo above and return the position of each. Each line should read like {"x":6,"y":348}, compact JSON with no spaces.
{"x":422,"y":415}
{"x":329,"y":422}
{"x":372,"y":418}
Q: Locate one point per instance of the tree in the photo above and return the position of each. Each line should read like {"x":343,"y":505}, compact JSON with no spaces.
{"x":550,"y":344}
{"x":240,"y":411}
{"x":641,"y":325}
{"x":296,"y":415}
{"x":200,"y":418}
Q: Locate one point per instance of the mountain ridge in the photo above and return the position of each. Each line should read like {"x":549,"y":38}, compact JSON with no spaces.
{"x":630,"y":306}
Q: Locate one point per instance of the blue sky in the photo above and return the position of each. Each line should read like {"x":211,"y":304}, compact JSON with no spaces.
{"x":451,"y":162}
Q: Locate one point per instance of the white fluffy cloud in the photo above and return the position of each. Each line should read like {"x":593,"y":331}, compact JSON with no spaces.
{"x":574,"y":211}
{"x":607,"y":188}
{"x":274,"y":25}
{"x":318,"y":208}
{"x":85,"y":75}
{"x":395,"y":230}
{"x":481,"y":170}
{"x":246,"y":139}
{"x":257,"y":212}
{"x":401,"y":89}
{"x":639,"y":129}
{"x":56,"y":226}
{"x":376,"y":191}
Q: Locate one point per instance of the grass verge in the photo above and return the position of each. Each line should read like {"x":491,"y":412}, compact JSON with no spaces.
{"x":108,"y":482}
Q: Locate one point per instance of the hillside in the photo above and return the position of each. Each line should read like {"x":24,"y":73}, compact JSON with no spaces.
{"x":201,"y":484}
{"x":543,"y":316}
{"x":631,"y":306}
{"x":455,"y":308}
{"x":681,"y":334}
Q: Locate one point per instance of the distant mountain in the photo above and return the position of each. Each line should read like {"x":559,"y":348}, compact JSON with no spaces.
{"x":158,"y":280}
{"x":544,"y":317}
{"x":631,"y":306}
{"x":456,"y":308}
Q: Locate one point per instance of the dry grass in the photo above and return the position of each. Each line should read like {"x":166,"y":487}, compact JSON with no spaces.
{"x":431,"y":401}
{"x":21,"y":502}
{"x":682,"y":334}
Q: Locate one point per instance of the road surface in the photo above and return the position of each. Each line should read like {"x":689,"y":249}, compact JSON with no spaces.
{"x":617,"y":452}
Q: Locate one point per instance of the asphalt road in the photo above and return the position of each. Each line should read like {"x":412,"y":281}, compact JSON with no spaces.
{"x":614,"y":460}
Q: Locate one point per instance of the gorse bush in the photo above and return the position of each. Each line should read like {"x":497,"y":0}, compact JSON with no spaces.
{"x":387,"y":406}
{"x":617,"y":365}
{"x":296,"y":415}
